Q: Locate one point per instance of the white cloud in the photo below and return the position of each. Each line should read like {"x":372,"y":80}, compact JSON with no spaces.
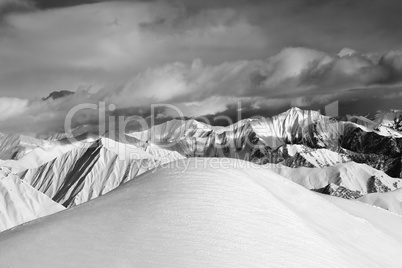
{"x":294,"y":72}
{"x":12,"y":107}
{"x":393,"y":59}
{"x":346,"y":52}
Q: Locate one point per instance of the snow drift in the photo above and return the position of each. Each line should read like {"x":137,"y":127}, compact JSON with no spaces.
{"x":208,"y":213}
{"x":391,"y":201}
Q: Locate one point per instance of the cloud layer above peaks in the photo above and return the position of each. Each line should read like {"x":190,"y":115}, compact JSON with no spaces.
{"x":203,"y":56}
{"x":300,"y":77}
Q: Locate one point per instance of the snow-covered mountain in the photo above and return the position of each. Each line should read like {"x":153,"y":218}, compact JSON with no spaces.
{"x":19,"y":202}
{"x":359,"y":178}
{"x":198,"y":139}
{"x":391,"y":201}
{"x":73,"y":173}
{"x":196,"y":216}
{"x":321,"y":141}
{"x":300,"y":168}
{"x":295,"y":155}
{"x":392,"y":119}
{"x":89,"y":171}
{"x":14,"y":146}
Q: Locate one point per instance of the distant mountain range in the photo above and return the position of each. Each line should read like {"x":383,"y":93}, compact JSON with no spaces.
{"x":356,"y":158}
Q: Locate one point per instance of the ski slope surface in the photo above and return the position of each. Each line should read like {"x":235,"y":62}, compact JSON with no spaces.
{"x":208,"y":213}
{"x":391,"y":201}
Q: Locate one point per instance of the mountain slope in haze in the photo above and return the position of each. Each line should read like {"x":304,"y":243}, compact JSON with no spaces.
{"x":355,"y":177}
{"x":19,"y":202}
{"x":391,"y":201}
{"x":14,"y":146}
{"x":194,"y":215}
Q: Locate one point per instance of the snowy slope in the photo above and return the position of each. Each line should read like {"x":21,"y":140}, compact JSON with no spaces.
{"x":88,"y":171}
{"x":379,"y":218}
{"x":391,"y":120}
{"x":384,"y":126}
{"x":163,"y":155}
{"x":287,"y":127}
{"x":19,"y":202}
{"x":199,"y":215}
{"x":172,"y":131}
{"x":192,"y":138}
{"x":39,"y":156}
{"x":295,"y":126}
{"x":317,"y":157}
{"x":351,"y":175}
{"x":391,"y":201}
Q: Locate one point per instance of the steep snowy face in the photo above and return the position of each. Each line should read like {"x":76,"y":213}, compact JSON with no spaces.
{"x":192,"y":138}
{"x":19,"y":202}
{"x":361,"y":141}
{"x":358,"y":178}
{"x":293,"y":127}
{"x":284,"y":128}
{"x":69,"y":174}
{"x":392,"y":119}
{"x":385,"y":124}
{"x":88,"y":171}
{"x":391,"y":165}
{"x":391,"y":201}
{"x":197,"y":215}
{"x":298,"y":156}
{"x":324,"y":140}
{"x":172,"y":131}
{"x":316,"y":131}
{"x":40,"y":156}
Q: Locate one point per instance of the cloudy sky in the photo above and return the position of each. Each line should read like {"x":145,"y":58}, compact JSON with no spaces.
{"x":203,"y":56}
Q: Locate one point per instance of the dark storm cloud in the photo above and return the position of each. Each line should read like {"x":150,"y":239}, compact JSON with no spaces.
{"x":47,"y":4}
{"x":366,"y":25}
{"x":14,"y":6}
{"x":106,"y":43}
{"x":203,"y":56}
